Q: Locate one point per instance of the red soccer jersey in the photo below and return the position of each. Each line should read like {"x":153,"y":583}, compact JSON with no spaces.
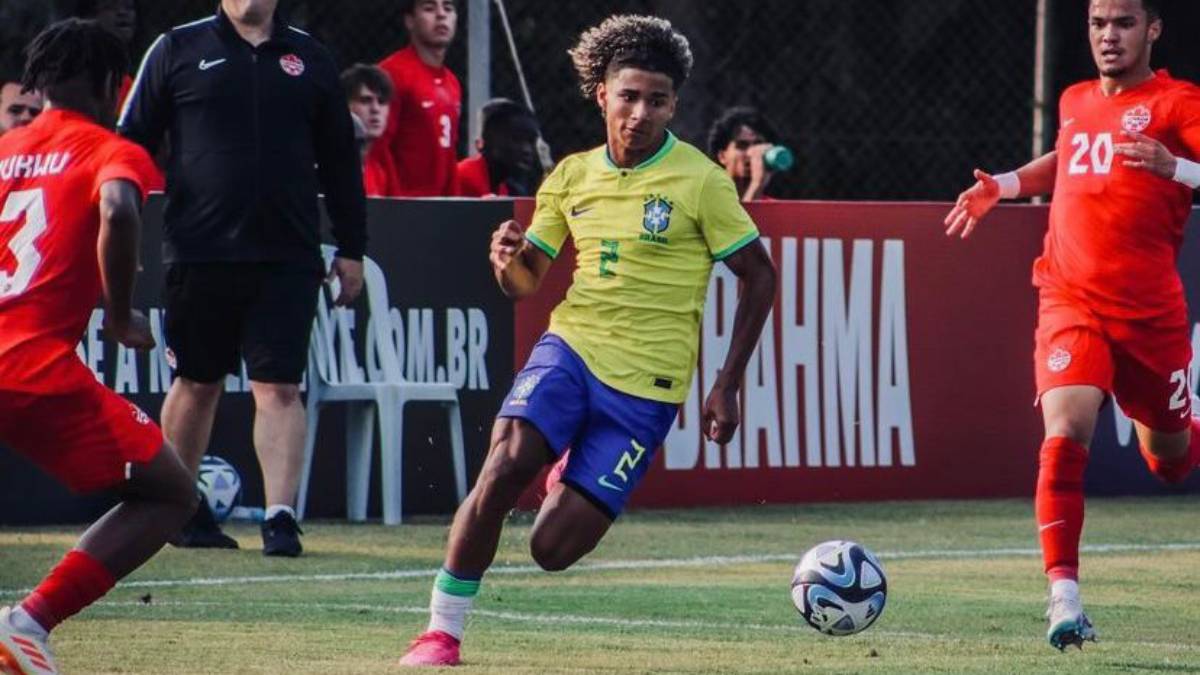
{"x":422,"y":131}
{"x":474,"y":180}
{"x":50,"y":177}
{"x":378,"y":179}
{"x":1115,"y":231}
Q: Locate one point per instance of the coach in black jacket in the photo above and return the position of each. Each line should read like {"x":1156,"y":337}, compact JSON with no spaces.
{"x":257,"y":125}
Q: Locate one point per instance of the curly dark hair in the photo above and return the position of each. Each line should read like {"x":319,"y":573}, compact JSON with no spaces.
{"x":622,"y":41}
{"x":71,"y":48}
{"x":726,"y":127}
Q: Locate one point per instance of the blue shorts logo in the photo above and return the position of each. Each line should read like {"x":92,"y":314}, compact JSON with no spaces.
{"x":522,"y":390}
{"x":656,"y":218}
{"x":628,"y":461}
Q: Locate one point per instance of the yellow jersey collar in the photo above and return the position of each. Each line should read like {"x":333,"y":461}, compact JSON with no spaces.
{"x":662,"y":151}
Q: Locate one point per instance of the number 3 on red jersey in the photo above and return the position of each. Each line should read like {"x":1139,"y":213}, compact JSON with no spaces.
{"x":1092,"y":154}
{"x":32,"y":204}
{"x":447,"y":128}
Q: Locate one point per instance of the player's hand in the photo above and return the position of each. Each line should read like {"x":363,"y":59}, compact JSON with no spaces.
{"x":349,"y":274}
{"x":758,"y":166}
{"x":1143,"y":152}
{"x":507,"y":242}
{"x":133,"y":332}
{"x":760,"y":175}
{"x":720,"y":414}
{"x":972,"y":205}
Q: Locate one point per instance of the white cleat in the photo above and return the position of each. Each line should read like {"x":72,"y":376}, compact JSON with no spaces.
{"x":22,"y":654}
{"x":1068,"y":624}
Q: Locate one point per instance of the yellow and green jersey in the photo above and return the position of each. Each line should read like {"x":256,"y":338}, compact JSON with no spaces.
{"x":646,"y":239}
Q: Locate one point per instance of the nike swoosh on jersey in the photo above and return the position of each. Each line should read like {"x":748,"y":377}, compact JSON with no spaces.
{"x":576,"y":211}
{"x":426,"y":104}
{"x":205,"y":65}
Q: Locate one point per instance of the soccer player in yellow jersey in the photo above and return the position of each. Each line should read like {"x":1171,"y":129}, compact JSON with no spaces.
{"x":649,"y":215}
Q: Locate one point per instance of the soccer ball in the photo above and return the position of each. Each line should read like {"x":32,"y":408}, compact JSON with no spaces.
{"x":839,"y":587}
{"x":220,"y":484}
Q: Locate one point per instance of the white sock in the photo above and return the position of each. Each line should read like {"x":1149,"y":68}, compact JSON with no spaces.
{"x":26,"y":624}
{"x":275,"y":509}
{"x":1068,"y":589}
{"x":448,"y":613}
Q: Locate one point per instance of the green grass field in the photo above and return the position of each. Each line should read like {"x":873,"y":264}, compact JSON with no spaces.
{"x":701,"y":591}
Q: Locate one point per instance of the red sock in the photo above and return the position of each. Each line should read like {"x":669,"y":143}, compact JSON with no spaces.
{"x":1178,"y":469}
{"x":1059,"y":505}
{"x":77,"y":581}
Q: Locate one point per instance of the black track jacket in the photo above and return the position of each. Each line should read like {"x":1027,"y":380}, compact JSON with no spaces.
{"x":255,"y":133}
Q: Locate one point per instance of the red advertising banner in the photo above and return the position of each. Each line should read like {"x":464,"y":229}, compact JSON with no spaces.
{"x":897,"y":363}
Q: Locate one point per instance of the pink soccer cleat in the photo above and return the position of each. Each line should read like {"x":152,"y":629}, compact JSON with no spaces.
{"x":432,"y":648}
{"x":22,"y":654}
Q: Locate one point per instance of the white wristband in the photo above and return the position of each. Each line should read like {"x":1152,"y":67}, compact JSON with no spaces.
{"x":1010,"y":185}
{"x":1187,"y":172}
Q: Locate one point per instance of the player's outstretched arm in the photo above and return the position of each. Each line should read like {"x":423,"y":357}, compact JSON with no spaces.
{"x":1148,"y":154}
{"x":117,"y":250}
{"x":756,"y":273}
{"x":518,"y":265}
{"x":1035,"y":178}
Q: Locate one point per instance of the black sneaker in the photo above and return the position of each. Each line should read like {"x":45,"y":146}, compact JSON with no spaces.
{"x":281,"y":536}
{"x":202,"y":531}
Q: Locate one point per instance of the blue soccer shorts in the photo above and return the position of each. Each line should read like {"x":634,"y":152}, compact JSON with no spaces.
{"x":612,"y":435}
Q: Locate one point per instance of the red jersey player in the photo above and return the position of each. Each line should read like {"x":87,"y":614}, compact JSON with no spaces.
{"x":70,"y":195}
{"x":1112,"y":314}
{"x":422,"y":130}
{"x":369,"y":94}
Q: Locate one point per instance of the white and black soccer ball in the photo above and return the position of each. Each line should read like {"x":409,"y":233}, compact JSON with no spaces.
{"x":220,"y":484}
{"x":839,"y":587}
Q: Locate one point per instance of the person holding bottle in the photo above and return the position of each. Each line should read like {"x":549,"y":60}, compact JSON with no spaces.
{"x":745,"y":143}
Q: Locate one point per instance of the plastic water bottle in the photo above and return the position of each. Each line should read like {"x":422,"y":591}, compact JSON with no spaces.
{"x":253,"y":514}
{"x":779,"y":158}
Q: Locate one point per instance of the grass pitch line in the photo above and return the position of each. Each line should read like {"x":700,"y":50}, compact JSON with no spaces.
{"x":615,"y":622}
{"x":644,"y":564}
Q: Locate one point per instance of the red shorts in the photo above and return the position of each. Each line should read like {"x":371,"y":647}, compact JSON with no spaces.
{"x":1142,"y":363}
{"x":84,"y":436}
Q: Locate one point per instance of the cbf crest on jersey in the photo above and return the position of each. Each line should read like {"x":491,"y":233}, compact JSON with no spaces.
{"x":656,"y":218}
{"x":522,"y":390}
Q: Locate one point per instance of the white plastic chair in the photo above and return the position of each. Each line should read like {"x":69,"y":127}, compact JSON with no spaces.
{"x":334,"y":377}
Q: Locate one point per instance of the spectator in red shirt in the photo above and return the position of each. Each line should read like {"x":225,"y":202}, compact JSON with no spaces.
{"x":422,"y":130}
{"x":507,"y":164}
{"x":369,"y":94}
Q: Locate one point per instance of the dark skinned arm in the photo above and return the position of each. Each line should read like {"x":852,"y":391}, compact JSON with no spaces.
{"x":117,"y":251}
{"x":756,"y":274}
